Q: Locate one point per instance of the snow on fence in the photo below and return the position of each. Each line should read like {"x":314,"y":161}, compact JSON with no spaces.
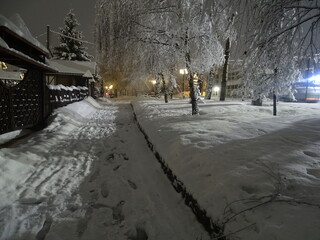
{"x":61,"y":95}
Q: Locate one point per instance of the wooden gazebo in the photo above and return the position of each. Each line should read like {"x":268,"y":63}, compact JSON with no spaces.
{"x":24,"y":105}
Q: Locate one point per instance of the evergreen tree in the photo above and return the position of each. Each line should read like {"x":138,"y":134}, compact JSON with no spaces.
{"x":70,"y":47}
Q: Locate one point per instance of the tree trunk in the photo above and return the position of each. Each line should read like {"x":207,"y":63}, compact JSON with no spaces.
{"x":210,"y":84}
{"x":200,"y":82}
{"x":225,"y":71}
{"x":164,"y":89}
{"x":158,"y":85}
{"x":193,"y":97}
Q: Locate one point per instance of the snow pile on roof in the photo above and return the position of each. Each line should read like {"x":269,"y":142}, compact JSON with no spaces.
{"x":79,"y":68}
{"x":18,"y":21}
{"x":87,"y":74}
{"x":9,"y":75}
{"x":255,"y":174}
{"x":3,"y":43}
{"x":17,"y":25}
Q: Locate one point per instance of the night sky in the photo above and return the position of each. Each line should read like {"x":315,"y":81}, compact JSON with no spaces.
{"x":37,"y":14}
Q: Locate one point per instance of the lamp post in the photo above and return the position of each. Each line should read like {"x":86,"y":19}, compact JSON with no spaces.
{"x":153,"y":82}
{"x":107,"y":90}
{"x":216,"y":89}
{"x":183,"y":72}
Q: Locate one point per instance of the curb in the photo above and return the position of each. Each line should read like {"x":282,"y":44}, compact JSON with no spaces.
{"x":200,"y":213}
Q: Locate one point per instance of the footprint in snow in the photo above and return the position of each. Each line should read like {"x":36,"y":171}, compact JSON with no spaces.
{"x":140,"y":234}
{"x":104,"y":190}
{"x":94,"y":197}
{"x":110,"y":157}
{"x":310,"y":154}
{"x":41,"y":235}
{"x":314,"y":172}
{"x":124,"y":156}
{"x":31,"y":201}
{"x":116,"y":168}
{"x":117,"y":212}
{"x":132,"y":184}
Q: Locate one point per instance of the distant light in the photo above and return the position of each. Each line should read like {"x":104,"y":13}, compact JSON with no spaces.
{"x":216,"y":89}
{"x":153,"y":82}
{"x":183,"y":71}
{"x":111,"y":86}
{"x":315,"y":78}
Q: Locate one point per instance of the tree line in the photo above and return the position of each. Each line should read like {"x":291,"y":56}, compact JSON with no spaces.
{"x":276,"y":40}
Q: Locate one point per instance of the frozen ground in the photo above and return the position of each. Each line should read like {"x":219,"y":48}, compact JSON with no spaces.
{"x":89,"y":175}
{"x":256,"y":174}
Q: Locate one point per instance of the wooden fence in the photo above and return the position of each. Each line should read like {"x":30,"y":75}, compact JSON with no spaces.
{"x":30,"y":102}
{"x":21,"y":106}
{"x":60,"y":95}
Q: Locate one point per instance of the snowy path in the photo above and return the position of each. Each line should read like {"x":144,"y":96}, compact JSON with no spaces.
{"x":127,"y":195}
{"x":54,"y":174}
{"x":124,"y":196}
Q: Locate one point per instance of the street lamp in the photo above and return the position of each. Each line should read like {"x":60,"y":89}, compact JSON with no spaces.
{"x":183,"y":72}
{"x":107,"y":89}
{"x":216,"y":89}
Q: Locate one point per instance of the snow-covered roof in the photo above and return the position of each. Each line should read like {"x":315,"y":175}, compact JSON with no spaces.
{"x":76,"y":68}
{"x":17,"y":27}
{"x":8,"y":75}
{"x":26,"y":50}
{"x":15,"y":57}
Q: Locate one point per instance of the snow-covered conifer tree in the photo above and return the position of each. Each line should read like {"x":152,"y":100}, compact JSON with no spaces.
{"x":71,"y":45}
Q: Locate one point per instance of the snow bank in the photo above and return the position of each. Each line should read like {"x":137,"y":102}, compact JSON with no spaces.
{"x":93,"y":102}
{"x":234,"y":157}
{"x":46,"y":167}
{"x":9,"y":136}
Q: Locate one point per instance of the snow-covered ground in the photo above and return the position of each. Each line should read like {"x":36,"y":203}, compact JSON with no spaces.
{"x":46,"y":168}
{"x":256,"y":174}
{"x":89,"y":175}
{"x":83,"y":177}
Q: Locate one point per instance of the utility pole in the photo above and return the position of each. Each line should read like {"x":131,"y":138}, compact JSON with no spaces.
{"x":48,"y":40}
{"x":275,"y":71}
